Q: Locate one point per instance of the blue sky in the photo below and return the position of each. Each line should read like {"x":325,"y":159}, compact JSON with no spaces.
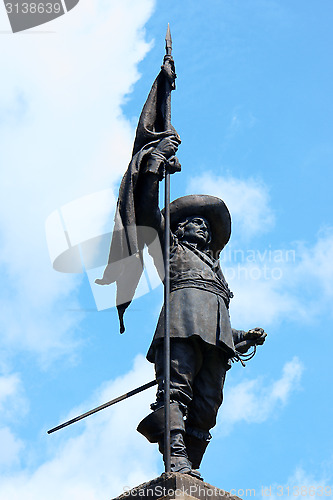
{"x":254,"y":110}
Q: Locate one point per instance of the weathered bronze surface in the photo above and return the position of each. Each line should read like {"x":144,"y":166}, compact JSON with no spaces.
{"x":202,"y":342}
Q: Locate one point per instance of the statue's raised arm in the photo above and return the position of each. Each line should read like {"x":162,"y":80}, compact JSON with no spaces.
{"x":147,"y":194}
{"x":155,"y":144}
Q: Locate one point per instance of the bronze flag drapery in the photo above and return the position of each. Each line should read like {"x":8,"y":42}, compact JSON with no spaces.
{"x":125,"y":264}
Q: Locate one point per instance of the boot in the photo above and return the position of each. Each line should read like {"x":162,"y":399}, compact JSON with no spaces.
{"x":196,"y":443}
{"x":179,"y":460}
{"x":152,"y":427}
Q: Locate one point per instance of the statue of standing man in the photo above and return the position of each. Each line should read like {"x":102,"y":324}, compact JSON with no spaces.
{"x":202,"y":342}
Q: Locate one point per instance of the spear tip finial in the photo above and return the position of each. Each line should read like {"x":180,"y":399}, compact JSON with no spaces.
{"x":168,"y":42}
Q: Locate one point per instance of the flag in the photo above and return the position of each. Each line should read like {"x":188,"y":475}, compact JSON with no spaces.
{"x":125,"y":264}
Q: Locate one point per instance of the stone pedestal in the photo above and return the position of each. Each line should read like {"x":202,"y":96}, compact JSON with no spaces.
{"x":173,"y":485}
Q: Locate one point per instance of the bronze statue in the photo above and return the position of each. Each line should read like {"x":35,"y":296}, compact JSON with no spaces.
{"x":202,"y":342}
{"x":194,"y":343}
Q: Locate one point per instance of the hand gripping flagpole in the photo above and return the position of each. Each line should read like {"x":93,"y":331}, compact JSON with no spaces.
{"x":167,"y":457}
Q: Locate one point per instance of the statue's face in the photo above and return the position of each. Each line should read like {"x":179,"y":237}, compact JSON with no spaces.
{"x":197,"y":230}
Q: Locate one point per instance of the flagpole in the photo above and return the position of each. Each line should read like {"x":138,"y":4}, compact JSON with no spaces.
{"x":167,"y":457}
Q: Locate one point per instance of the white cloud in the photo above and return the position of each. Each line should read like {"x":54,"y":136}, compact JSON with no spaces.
{"x":247,"y":200}
{"x":62,"y":136}
{"x":8,"y":387}
{"x":269,"y":284}
{"x":253,"y":401}
{"x":11,"y":448}
{"x":12,"y":398}
{"x":317,"y":263}
{"x":262,"y":303}
{"x":295,"y":284}
{"x":107,"y":455}
{"x":303,"y":484}
{"x":12,"y":405}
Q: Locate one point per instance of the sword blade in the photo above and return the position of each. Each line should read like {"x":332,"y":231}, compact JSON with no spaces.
{"x":105,"y":405}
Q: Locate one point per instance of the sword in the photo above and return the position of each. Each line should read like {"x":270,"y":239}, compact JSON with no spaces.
{"x":105,"y":405}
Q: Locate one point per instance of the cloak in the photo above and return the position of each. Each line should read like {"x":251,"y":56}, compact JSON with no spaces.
{"x":125,"y":263}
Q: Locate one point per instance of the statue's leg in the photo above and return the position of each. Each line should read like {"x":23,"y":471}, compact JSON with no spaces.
{"x":196,"y":442}
{"x":207,"y":398}
{"x":185,"y":362}
{"x":183,"y":368}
